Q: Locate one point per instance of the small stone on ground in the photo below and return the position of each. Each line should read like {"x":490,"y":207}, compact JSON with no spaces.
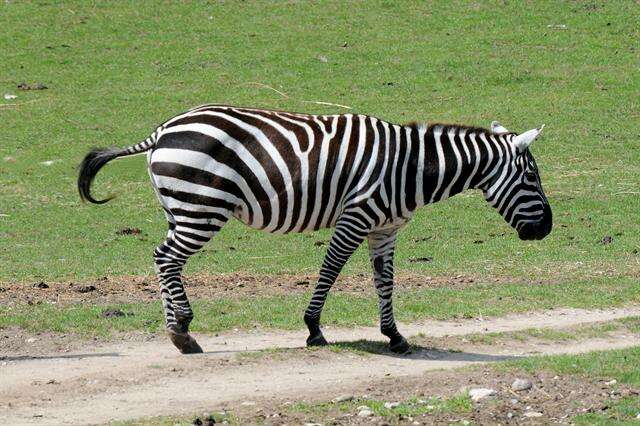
{"x":343,"y":398}
{"x":480,"y":393}
{"x":365,"y":413}
{"x":521,"y":385}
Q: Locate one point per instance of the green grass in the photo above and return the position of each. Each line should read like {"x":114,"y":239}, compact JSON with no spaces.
{"x":630,"y":324}
{"x":623,"y":412}
{"x":621,"y":365}
{"x":342,"y":309}
{"x":115,"y":69}
{"x":617,"y":364}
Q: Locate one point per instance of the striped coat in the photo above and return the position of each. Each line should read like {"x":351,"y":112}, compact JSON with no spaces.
{"x":285,"y":172}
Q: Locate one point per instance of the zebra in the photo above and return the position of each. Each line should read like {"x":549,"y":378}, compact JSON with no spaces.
{"x":284,"y":172}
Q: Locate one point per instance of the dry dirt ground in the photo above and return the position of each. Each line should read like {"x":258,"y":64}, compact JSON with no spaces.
{"x":134,"y":379}
{"x":140,"y":288}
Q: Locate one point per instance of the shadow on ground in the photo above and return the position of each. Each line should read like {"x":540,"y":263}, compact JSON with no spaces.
{"x":419,"y":352}
{"x":65,"y":356}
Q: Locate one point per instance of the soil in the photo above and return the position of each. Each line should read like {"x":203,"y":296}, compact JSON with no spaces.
{"x":557,"y":398}
{"x":124,"y":289}
{"x":133,"y":379}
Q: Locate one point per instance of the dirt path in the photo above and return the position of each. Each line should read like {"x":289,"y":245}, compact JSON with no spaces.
{"x":132,"y":380}
{"x":124,"y":289}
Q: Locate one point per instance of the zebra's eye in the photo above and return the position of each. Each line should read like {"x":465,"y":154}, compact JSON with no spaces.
{"x":530,"y":175}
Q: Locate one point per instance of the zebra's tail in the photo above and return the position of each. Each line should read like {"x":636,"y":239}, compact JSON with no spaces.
{"x":98,"y":157}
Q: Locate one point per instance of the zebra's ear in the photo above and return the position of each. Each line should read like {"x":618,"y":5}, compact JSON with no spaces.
{"x":497,"y":128}
{"x":522,"y":141}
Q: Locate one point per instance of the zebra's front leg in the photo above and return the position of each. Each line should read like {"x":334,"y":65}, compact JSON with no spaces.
{"x":345,"y":240}
{"x":381,"y":249}
{"x":170,"y":259}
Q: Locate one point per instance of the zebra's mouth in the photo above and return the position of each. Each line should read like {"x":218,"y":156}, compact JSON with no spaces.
{"x":537,"y":230}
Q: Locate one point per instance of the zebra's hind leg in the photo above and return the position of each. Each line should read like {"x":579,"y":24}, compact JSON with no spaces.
{"x":184,"y":240}
{"x":381,"y":250}
{"x":348,"y":235}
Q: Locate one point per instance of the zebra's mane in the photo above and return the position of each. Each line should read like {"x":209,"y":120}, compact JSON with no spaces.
{"x":429,"y":126}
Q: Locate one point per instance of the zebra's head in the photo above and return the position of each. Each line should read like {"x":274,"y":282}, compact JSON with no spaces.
{"x":516,"y":190}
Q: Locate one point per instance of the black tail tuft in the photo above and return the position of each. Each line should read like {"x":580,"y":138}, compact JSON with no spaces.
{"x":90,"y":166}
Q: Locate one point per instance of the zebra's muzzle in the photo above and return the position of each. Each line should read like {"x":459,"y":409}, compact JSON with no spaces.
{"x":537,"y":230}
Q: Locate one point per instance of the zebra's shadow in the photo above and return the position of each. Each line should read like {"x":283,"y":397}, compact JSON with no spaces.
{"x":418,"y":352}
{"x":58,"y":356}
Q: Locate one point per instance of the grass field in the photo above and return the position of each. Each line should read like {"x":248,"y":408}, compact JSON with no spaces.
{"x":285,"y":312}
{"x":116,"y":69}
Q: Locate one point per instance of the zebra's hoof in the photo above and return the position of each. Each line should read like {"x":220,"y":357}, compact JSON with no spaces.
{"x":400,"y":347}
{"x":317,"y":340}
{"x":185,"y":343}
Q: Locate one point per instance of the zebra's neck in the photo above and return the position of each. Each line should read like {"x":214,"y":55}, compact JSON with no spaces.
{"x":455,"y":158}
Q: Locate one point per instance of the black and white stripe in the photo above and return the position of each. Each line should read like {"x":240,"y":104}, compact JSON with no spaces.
{"x":286,"y":172}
